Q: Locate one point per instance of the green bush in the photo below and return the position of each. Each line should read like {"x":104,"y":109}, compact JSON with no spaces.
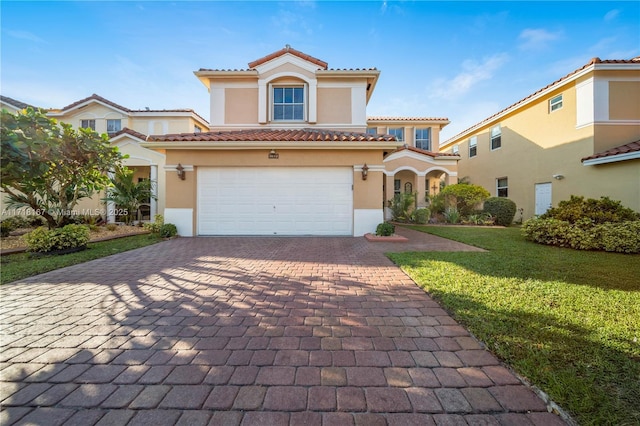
{"x":437,"y":203}
{"x":464,"y":196}
{"x":5,"y":229}
{"x":42,"y":240}
{"x":501,"y":209}
{"x":401,"y":206}
{"x":154,"y":227}
{"x":622,"y":237}
{"x":385,"y":229}
{"x":421,"y":215}
{"x":599,"y":211}
{"x":451,"y":215}
{"x":168,"y":230}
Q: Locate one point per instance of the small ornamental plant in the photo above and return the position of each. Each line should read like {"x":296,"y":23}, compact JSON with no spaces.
{"x":385,"y":229}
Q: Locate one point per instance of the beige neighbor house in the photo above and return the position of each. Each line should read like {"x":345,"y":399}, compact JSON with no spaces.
{"x":290,"y":151}
{"x":578,"y":136}
{"x":127,"y":129}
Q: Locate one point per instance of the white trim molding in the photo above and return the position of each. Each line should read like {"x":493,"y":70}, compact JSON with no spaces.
{"x":612,"y":158}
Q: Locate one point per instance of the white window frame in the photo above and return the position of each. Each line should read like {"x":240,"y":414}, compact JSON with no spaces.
{"x":394,"y":129}
{"x":114,"y":120}
{"x":503,"y":187}
{"x":555,"y":103}
{"x":496,"y":135}
{"x":91,"y":124}
{"x":456,"y":150}
{"x":305,"y":95}
{"x":473,"y":146}
{"x":372,"y":130}
{"x":428,"y":139}
{"x":197,"y":129}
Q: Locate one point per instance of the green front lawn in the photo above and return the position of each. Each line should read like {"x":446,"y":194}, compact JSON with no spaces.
{"x":568,"y":321}
{"x":22,"y":265}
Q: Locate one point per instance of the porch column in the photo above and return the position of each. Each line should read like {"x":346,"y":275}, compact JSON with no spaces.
{"x":388,"y":195}
{"x":111,"y":206}
{"x":153,"y":175}
{"x":421,"y":190}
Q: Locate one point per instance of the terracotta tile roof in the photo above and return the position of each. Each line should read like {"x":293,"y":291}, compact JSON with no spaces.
{"x":260,"y":135}
{"x":593,"y":61}
{"x":387,"y":118}
{"x":425,"y":152}
{"x":15,"y":102}
{"x":288,"y":49}
{"x":131,"y":132}
{"x":96,"y":98}
{"x":622,"y":149}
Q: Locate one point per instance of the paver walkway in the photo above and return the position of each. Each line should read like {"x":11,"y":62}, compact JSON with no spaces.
{"x":251,"y":331}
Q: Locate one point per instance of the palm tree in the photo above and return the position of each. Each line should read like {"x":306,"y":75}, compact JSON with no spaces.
{"x":128,"y":194}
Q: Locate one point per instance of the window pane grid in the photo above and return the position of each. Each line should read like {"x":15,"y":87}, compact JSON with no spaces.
{"x":288,"y":103}
{"x":496,"y":137}
{"x":502,"y":187}
{"x":473,"y":146}
{"x":423,"y":139}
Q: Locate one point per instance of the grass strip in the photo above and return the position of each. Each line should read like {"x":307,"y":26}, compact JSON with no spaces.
{"x":567,"y":320}
{"x":23,"y":265}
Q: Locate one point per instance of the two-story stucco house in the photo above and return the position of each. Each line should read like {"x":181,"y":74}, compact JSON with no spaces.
{"x":127,"y":129}
{"x":577,"y":136}
{"x":290,"y":151}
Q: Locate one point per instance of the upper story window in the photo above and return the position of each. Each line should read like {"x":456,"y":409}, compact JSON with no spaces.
{"x":456,"y":150}
{"x":88,"y":124}
{"x":288,"y":103}
{"x":398,"y":132}
{"x":114,"y":126}
{"x":555,"y":103}
{"x":423,"y":139}
{"x":502,"y":187}
{"x":473,"y":146}
{"x":197,"y":129}
{"x":496,"y":137}
{"x":372,"y":130}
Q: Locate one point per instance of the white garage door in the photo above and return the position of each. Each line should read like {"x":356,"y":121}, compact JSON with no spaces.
{"x":275,"y":201}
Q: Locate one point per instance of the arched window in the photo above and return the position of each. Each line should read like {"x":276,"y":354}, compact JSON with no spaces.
{"x":408,"y":188}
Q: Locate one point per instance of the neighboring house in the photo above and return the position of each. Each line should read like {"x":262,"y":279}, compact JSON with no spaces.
{"x":290,"y":151}
{"x":578,"y":136}
{"x":12,"y":105}
{"x":127,"y":129}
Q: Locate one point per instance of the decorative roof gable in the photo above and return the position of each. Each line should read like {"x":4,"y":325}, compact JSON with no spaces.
{"x":290,"y":50}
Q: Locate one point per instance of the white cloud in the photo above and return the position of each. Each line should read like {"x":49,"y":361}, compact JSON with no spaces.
{"x":536,"y":38}
{"x":473,"y":73}
{"x":25,"y":35}
{"x":611,"y":15}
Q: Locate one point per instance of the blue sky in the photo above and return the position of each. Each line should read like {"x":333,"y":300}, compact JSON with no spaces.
{"x":460,"y":60}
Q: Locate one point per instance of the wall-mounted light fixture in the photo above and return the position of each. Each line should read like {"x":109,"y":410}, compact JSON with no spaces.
{"x":180,"y":170}
{"x":273,"y":154}
{"x":558,"y":177}
{"x":365,"y":171}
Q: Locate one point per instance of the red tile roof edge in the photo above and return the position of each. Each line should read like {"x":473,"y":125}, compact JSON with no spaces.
{"x":129,"y":131}
{"x":424,"y":152}
{"x":389,"y":118}
{"x":622,"y":149}
{"x":276,"y":135}
{"x":291,"y":50}
{"x":96,"y":98}
{"x":593,"y":61}
{"x":15,"y":102}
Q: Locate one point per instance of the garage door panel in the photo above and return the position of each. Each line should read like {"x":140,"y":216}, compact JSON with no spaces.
{"x":281,"y":201}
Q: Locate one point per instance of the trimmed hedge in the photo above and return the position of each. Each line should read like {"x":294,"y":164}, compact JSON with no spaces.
{"x":584,"y":234}
{"x":168,"y":230}
{"x":385,"y":229}
{"x":598,"y":211}
{"x":43,"y":240}
{"x":501,"y":209}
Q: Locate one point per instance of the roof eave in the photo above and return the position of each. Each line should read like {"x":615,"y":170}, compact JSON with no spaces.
{"x":248,"y":145}
{"x":612,"y":158}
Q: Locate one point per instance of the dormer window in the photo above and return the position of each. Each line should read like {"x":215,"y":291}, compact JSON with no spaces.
{"x":288,"y":103}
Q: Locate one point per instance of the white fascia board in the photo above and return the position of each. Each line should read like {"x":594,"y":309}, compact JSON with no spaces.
{"x":125,"y":138}
{"x":612,"y":158}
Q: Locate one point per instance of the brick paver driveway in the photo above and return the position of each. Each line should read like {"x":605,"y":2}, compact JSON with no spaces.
{"x":263,"y":331}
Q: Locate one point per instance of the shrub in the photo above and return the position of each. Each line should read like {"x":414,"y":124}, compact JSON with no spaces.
{"x":168,"y":230}
{"x":112,"y":227}
{"x":385,"y":229}
{"x":154,"y":227}
{"x":464,"y":196}
{"x":599,"y":211}
{"x":421,"y":215}
{"x":437,"y":203}
{"x":5,"y":229}
{"x":401,"y":206}
{"x":622,"y":237}
{"x":42,"y":240}
{"x":502,"y":209}
{"x":451,"y":215}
